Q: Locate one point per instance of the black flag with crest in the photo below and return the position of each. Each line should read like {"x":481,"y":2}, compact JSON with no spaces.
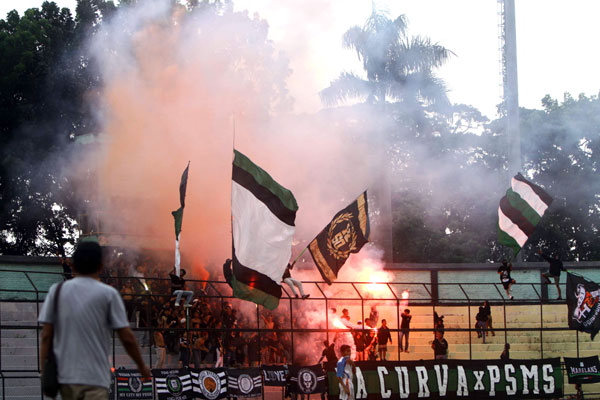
{"x":307,"y":380}
{"x":244,"y":382}
{"x":210,"y":383}
{"x":583,"y":298}
{"x":173,"y":384}
{"x":347,"y":233}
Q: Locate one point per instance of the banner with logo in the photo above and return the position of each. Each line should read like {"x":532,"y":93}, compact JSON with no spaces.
{"x":307,"y":380}
{"x":583,"y":370}
{"x":583,"y":302}
{"x":173,"y":384}
{"x":131,"y":385}
{"x":210,"y":383}
{"x":274,"y":375}
{"x":244,"y":382}
{"x":455,"y":379}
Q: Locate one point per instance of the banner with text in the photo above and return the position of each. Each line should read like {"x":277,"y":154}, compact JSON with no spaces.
{"x":583,"y":370}
{"x":131,"y":385}
{"x":274,"y":375}
{"x":454,"y":379}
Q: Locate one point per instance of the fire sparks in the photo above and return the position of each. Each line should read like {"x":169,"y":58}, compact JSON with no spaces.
{"x":337,"y":323}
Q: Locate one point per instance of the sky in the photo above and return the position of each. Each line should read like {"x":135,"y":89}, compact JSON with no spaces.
{"x":553,"y":44}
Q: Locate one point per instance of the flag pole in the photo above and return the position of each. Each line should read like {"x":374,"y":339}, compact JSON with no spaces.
{"x":299,"y":255}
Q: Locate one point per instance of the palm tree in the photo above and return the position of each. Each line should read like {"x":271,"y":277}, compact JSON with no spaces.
{"x":399,"y":68}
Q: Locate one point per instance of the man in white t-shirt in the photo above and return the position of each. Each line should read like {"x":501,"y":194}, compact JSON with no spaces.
{"x":88,"y":312}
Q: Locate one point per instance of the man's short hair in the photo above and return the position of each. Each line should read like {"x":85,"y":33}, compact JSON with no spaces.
{"x":344,"y":348}
{"x":87,"y":258}
{"x":344,"y":310}
{"x":383,"y":320}
{"x":407,"y":311}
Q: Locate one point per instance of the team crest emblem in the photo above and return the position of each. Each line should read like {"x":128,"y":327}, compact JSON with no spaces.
{"x":341,"y":237}
{"x":586,"y":303}
{"x":245,"y":383}
{"x":135,"y":384}
{"x":174,"y":385}
{"x":307,"y":380}
{"x":210,"y":384}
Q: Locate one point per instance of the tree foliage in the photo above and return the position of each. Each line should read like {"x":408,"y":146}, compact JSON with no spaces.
{"x":45,"y":86}
{"x":398,"y":67}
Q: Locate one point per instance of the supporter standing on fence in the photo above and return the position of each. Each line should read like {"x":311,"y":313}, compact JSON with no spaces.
{"x":405,"y":329}
{"x":178,"y":287}
{"x":504,"y":272}
{"x":440,"y":346}
{"x":554,"y":271}
{"x":88,"y":312}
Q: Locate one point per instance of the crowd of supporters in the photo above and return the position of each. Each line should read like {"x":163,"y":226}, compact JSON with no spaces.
{"x":215,"y":335}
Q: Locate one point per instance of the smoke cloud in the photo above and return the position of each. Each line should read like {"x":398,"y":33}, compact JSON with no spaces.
{"x":190,"y":86}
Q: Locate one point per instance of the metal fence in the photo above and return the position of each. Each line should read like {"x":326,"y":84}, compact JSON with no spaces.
{"x":323,"y":297}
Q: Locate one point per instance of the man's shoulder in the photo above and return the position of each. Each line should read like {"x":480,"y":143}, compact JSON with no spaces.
{"x":92,"y":284}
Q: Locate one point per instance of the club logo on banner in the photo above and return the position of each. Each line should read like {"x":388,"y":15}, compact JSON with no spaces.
{"x":210,"y":383}
{"x":583,"y":370}
{"x":455,"y":379}
{"x":131,"y":385}
{"x":275,"y":375}
{"x":173,"y":384}
{"x":245,"y":382}
{"x":307,"y":380}
{"x":583,"y":301}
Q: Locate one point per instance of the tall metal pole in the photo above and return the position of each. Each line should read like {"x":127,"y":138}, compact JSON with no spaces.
{"x":511,"y":88}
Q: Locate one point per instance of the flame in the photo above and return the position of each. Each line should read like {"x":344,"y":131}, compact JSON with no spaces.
{"x":404,"y":301}
{"x":337,"y":323}
{"x":376,"y":288}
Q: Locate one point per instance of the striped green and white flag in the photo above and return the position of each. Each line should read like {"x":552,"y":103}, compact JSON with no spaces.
{"x":178,"y":216}
{"x":520,"y":211}
{"x":263,"y":223}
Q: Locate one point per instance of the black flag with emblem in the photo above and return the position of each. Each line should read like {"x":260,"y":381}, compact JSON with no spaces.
{"x":173,"y":384}
{"x":583,"y":298}
{"x":210,"y":383}
{"x":307,"y":380}
{"x":245,"y":382}
{"x":131,"y":385}
{"x":347,"y":233}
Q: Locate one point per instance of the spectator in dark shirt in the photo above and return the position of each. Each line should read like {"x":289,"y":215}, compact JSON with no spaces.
{"x":371,"y":345}
{"x":440,"y":346}
{"x":405,"y":329}
{"x":383,"y":336}
{"x":359,"y":343}
{"x":554,"y":271}
{"x":505,"y":356}
{"x":329,"y":353}
{"x":480,"y":325}
{"x":505,"y":278}
{"x":438,"y":323}
{"x":488,"y":314}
